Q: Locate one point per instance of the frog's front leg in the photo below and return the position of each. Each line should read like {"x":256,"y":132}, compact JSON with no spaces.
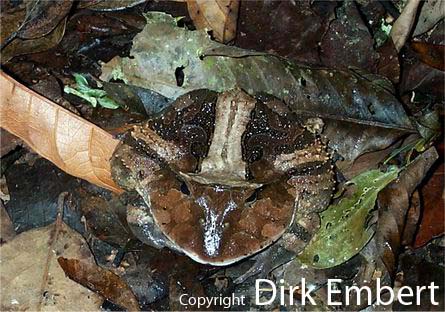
{"x":134,"y":170}
{"x":313,"y":194}
{"x":312,"y":184}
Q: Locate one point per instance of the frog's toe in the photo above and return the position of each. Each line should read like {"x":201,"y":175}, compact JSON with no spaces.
{"x":300,"y":233}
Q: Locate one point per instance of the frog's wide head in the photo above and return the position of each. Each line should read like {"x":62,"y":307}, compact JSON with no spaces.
{"x":220,"y":173}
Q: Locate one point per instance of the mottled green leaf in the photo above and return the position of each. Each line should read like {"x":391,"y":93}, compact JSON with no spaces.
{"x":344,"y":228}
{"x":163,"y":50}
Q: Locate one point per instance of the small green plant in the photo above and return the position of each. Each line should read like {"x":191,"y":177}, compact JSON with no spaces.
{"x":91,"y":95}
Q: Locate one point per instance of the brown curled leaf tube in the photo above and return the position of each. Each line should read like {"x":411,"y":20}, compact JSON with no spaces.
{"x":73,"y":144}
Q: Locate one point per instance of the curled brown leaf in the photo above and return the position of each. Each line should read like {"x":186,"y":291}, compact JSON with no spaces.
{"x":394,"y":202}
{"x":70,"y":142}
{"x":102,"y":281}
{"x":220,"y":16}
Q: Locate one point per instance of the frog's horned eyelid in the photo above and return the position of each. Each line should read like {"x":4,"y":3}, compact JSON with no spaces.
{"x":166,"y":150}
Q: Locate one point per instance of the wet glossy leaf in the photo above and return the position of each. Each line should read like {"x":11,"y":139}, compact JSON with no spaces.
{"x":21,"y":46}
{"x":29,"y":206}
{"x":42,"y":17}
{"x":344,"y":228}
{"x":136,"y":99}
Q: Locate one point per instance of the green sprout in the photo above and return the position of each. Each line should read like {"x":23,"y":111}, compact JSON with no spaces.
{"x":91,"y":95}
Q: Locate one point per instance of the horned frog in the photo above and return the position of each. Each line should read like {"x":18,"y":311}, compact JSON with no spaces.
{"x":225,"y":175}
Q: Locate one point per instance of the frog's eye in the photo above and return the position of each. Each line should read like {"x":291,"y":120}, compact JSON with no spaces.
{"x":184,"y":188}
{"x":253,"y":198}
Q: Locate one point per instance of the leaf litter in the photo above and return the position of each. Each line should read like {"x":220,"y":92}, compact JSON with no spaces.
{"x":32,"y":279}
{"x":361,"y":261}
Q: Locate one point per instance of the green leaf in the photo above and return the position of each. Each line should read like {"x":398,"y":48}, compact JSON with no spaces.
{"x":81,"y":81}
{"x":91,"y":95}
{"x":344,"y":228}
{"x":90,"y":99}
{"x":108,"y":103}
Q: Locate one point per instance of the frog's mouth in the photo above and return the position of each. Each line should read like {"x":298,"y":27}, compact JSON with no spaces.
{"x":219,"y":224}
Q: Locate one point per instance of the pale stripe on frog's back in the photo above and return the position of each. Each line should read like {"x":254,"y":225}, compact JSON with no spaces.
{"x":225,"y":157}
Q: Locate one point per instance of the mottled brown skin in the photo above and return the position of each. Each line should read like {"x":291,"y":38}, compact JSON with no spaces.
{"x":225,"y":175}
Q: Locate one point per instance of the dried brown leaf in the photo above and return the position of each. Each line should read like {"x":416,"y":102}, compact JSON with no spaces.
{"x":11,"y":18}
{"x":394,"y":203}
{"x":430,"y":54}
{"x":404,"y":23}
{"x":388,"y":64}
{"x":70,"y":142}
{"x":32,"y":280}
{"x":109,"y":5}
{"x":21,"y":46}
{"x":431,"y":13}
{"x":220,"y":16}
{"x":433,"y":218}
{"x":348,"y":42}
{"x":42,"y":17}
{"x":102,"y":281}
{"x":6,"y":227}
